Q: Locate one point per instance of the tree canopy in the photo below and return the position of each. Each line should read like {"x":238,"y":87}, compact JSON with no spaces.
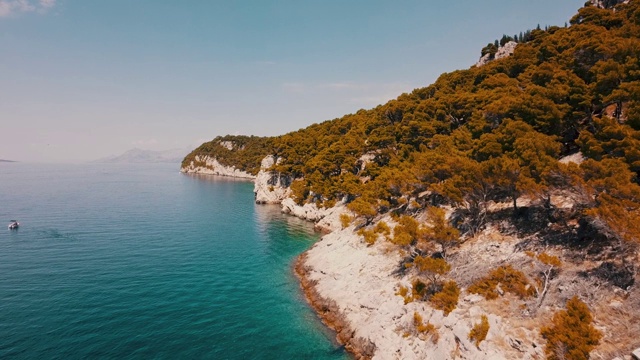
{"x":494,"y":132}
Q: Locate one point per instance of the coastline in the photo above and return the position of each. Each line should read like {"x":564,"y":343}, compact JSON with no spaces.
{"x":325,"y":221}
{"x":329,"y":313}
{"x":352,"y":287}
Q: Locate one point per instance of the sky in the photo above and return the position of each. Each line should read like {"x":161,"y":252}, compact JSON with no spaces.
{"x":86,"y":79}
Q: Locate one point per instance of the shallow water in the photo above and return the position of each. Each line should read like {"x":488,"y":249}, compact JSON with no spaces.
{"x":124,"y":261}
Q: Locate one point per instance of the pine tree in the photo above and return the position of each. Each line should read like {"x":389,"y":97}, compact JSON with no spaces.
{"x":571,"y":335}
{"x":440,"y":230}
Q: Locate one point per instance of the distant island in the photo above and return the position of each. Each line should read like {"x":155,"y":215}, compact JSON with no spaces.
{"x":140,"y":156}
{"x":9,"y":161}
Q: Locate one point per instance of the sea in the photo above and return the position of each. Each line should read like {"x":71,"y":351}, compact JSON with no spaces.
{"x":132,"y":261}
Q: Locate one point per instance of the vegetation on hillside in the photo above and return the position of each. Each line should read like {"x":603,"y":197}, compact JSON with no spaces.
{"x":245,"y":154}
{"x":490,"y":133}
{"x":481,"y":136}
{"x":571,"y":335}
{"x":479,"y":331}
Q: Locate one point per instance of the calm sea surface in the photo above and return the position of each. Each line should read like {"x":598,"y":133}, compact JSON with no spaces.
{"x":122,"y":261}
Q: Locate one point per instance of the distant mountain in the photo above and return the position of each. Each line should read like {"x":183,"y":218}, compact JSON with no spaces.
{"x":137,"y":156}
{"x":1,"y":160}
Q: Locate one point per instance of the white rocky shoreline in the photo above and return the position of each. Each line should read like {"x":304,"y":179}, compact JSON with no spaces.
{"x":353,"y":287}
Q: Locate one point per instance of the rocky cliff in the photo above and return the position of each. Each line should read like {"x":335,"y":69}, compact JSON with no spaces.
{"x":607,"y":4}
{"x":271,"y":187}
{"x":207,"y":165}
{"x":503,"y":52}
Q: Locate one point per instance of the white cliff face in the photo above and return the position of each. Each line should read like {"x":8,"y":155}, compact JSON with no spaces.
{"x":606,"y":4}
{"x":271,"y":187}
{"x":210,"y":166}
{"x":307,"y":211}
{"x":327,"y":220}
{"x":503,"y":52}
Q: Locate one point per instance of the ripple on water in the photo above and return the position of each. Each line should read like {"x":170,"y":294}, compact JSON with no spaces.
{"x":143,"y":262}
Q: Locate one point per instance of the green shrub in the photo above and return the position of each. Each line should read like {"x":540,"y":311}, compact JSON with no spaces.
{"x":382,"y":228}
{"x":431,"y":268}
{"x":406,"y":231}
{"x":299,"y":191}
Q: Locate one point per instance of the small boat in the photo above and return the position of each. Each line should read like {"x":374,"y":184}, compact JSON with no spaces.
{"x":13,"y":225}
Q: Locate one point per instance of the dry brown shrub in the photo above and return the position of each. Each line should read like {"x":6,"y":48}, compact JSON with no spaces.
{"x":446,"y":299}
{"x":509,"y":279}
{"x":571,"y":335}
{"x":479,"y":331}
{"x":427,"y":329}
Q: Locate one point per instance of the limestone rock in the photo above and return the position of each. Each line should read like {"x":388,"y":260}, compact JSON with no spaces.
{"x":271,"y":187}
{"x":208,"y":165}
{"x":576,"y":158}
{"x":607,"y":4}
{"x":503,"y":52}
{"x":307,"y":211}
{"x":361,"y":280}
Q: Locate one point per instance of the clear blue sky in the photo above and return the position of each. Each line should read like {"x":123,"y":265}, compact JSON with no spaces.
{"x":84,"y":79}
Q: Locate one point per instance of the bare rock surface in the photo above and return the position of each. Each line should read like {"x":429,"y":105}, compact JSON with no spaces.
{"x":207,"y":165}
{"x":361,"y":281}
{"x":503,"y":51}
{"x":326,"y":219}
{"x":271,"y":187}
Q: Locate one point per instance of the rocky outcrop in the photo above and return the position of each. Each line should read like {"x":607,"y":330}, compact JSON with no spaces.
{"x":360,"y":283}
{"x":503,"y":51}
{"x":607,"y":4}
{"x":327,"y":220}
{"x":307,"y":211}
{"x":207,"y":165}
{"x":271,"y":187}
{"x":331,"y":315}
{"x":576,"y":158}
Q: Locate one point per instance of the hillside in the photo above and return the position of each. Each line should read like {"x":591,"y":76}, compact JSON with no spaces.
{"x":138,"y":156}
{"x":506,"y":124}
{"x":509,"y":189}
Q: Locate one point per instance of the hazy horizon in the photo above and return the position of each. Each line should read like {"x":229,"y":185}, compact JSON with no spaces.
{"x":87,"y":80}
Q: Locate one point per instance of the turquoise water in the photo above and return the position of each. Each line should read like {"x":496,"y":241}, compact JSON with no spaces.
{"x":117,"y":261}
